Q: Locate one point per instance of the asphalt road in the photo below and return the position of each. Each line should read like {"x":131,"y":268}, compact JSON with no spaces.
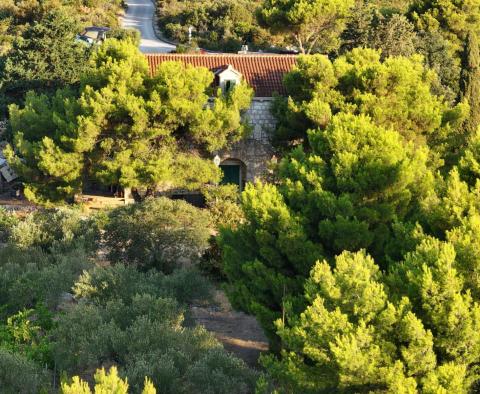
{"x":139,"y":15}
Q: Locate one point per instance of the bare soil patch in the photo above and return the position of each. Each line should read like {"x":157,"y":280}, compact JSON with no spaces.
{"x":238,"y":332}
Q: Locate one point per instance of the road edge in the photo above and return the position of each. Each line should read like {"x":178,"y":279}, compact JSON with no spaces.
{"x":156,"y":29}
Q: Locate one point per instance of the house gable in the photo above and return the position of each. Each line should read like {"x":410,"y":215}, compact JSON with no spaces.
{"x":227,"y":77}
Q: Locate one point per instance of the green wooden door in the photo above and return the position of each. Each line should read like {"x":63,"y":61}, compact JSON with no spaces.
{"x":231,"y":174}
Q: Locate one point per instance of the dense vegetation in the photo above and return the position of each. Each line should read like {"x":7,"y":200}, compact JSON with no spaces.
{"x":38,"y":50}
{"x":125,"y":128}
{"x":217,"y":25}
{"x":359,"y":258}
{"x":64,"y":311}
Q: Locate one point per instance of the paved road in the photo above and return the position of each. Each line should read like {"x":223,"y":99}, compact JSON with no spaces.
{"x":139,"y":15}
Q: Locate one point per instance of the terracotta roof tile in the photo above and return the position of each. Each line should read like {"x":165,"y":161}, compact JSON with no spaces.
{"x":264,"y":73}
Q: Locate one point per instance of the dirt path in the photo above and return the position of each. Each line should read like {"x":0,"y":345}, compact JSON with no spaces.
{"x":238,"y":332}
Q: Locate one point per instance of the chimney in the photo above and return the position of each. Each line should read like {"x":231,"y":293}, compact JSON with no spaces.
{"x":244,"y":50}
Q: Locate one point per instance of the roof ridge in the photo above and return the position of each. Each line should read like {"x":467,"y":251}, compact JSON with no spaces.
{"x":220,"y":55}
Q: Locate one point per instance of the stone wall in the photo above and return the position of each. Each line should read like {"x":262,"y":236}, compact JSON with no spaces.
{"x":256,"y":150}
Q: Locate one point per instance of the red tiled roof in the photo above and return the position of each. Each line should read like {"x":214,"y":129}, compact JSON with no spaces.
{"x":264,"y":73}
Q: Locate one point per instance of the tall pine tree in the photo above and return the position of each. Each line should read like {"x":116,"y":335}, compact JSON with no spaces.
{"x":470,"y":82}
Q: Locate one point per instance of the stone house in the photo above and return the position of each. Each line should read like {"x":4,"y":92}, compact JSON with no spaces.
{"x":247,"y":160}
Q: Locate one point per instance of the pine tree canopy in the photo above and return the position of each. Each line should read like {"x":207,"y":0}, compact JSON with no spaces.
{"x":360,"y":260}
{"x":395,"y":93}
{"x":126,"y":128}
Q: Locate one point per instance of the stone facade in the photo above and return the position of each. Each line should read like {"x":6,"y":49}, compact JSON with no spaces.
{"x":264,"y":73}
{"x":255,"y":151}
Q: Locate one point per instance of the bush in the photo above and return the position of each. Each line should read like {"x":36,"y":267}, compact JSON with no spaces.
{"x":157,"y":233}
{"x":19,"y":375}
{"x":63,"y":228}
{"x":7,"y":222}
{"x":24,"y":333}
{"x":104,"y":383}
{"x":83,"y":339}
{"x":119,"y":282}
{"x":222,"y":25}
{"x":218,"y":372}
{"x":146,"y":339}
{"x":212,"y":263}
{"x":223,"y":204}
{"x":31,"y":276}
{"x":125,"y":34}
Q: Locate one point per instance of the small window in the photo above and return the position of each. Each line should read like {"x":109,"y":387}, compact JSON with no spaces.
{"x":229,"y":85}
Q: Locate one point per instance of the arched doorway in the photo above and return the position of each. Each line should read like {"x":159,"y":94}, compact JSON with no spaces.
{"x":234,"y":172}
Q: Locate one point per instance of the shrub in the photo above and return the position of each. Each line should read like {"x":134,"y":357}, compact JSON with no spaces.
{"x":218,"y":372}
{"x":7,"y":222}
{"x":20,"y":375}
{"x":31,"y":276}
{"x":176,"y":360}
{"x":120,"y":282}
{"x":222,"y":25}
{"x":24,"y":333}
{"x":157,"y":233}
{"x":146,"y":339}
{"x":82,"y":339}
{"x":61,"y":228}
{"x":125,"y":34}
{"x":211,"y":263}
{"x":104,"y":383}
{"x":223,"y":204}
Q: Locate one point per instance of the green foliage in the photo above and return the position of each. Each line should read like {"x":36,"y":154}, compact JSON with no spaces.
{"x":45,"y":58}
{"x":7,"y":222}
{"x":218,"y":25}
{"x":132,"y":35}
{"x":126,"y":128}
{"x":117,"y":314}
{"x":393,"y":34}
{"x":105,"y":382}
{"x":17,"y":16}
{"x":24,"y":333}
{"x":311,"y":25}
{"x":146,"y":338}
{"x":223,"y":204}
{"x":158,"y":233}
{"x":470,"y":82}
{"x":469,"y":164}
{"x":415,"y":330}
{"x":29,"y":277}
{"x":347,"y":193}
{"x":454,"y":19}
{"x":443,"y":28}
{"x":119,"y":282}
{"x":395,"y":93}
{"x":439,"y":57}
{"x":51,"y":172}
{"x":20,"y":375}
{"x":60,"y":229}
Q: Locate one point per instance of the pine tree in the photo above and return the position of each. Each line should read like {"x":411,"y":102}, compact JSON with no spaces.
{"x":126,"y":128}
{"x":413,"y":330}
{"x":346,"y":193}
{"x":395,"y":92}
{"x":470,"y":82}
